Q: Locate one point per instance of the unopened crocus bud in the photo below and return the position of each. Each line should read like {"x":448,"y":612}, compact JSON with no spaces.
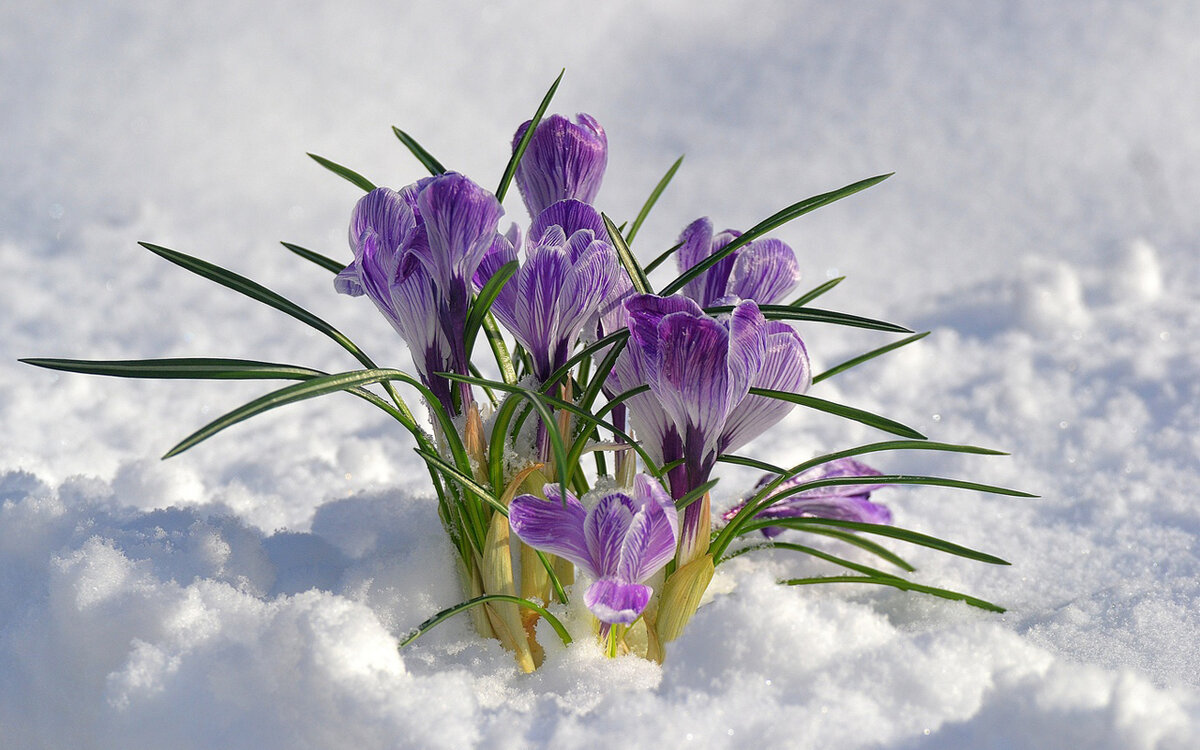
{"x":564,"y":160}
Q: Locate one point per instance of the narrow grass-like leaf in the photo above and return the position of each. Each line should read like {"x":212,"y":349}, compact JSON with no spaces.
{"x":636,"y":274}
{"x":812,"y":294}
{"x":777,"y":219}
{"x":753,"y":463}
{"x":855,"y":361}
{"x":695,"y":494}
{"x":899,"y":583}
{"x":511,"y":169}
{"x":299,"y":392}
{"x":814,"y":552}
{"x":433,"y":165}
{"x":841,"y":410}
{"x":783,"y":312}
{"x":193,"y":368}
{"x":662,"y":258}
{"x":467,"y":482}
{"x":447,"y":613}
{"x":904,"y":535}
{"x":556,"y":584}
{"x":483,"y":302}
{"x":649,"y":204}
{"x":499,"y":349}
{"x":344,"y":172}
{"x":325,"y":262}
{"x":866,"y":545}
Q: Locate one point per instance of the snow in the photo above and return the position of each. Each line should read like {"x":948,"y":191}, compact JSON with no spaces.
{"x":250,"y":593}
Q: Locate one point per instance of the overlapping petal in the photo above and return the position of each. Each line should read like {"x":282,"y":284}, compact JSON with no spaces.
{"x":785,"y":367}
{"x":764,"y":270}
{"x":460,"y":221}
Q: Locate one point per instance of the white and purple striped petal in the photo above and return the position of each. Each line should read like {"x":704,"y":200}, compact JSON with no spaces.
{"x":784,"y":367}
{"x":764,"y":270}
{"x":564,"y":160}
{"x":842,"y":502}
{"x":621,"y":542}
{"x":460,"y":220}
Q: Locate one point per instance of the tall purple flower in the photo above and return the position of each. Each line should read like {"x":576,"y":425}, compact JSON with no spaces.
{"x":568,"y":274}
{"x":620,"y":543}
{"x":415,"y":251}
{"x":700,"y":370}
{"x":764,"y":270}
{"x":564,"y":160}
{"x":843,"y":502}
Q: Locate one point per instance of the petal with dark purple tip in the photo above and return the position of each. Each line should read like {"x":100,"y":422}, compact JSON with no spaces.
{"x":615,"y":601}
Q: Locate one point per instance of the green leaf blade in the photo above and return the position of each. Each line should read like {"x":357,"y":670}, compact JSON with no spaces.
{"x":433,"y":165}
{"x":511,"y":169}
{"x":345,"y":173}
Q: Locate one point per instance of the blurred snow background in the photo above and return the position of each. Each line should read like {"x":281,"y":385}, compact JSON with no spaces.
{"x":1042,"y":222}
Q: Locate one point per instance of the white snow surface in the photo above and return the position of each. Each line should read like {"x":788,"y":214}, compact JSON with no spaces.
{"x":250,"y":593}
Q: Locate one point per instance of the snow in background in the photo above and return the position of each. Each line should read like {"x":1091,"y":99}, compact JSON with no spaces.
{"x":249,"y":593}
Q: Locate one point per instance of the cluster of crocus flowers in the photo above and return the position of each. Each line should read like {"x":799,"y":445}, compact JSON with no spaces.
{"x":595,"y":364}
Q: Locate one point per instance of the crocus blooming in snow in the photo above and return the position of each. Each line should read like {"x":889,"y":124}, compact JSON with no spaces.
{"x":700,"y":370}
{"x":415,"y":252}
{"x":844,"y":502}
{"x":763,"y":270}
{"x":564,"y":161}
{"x":621,"y":542}
{"x":568,"y":273}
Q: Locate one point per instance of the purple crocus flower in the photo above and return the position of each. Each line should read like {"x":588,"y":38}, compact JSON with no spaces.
{"x":763,"y":270}
{"x":621,"y":542}
{"x":568,"y":274}
{"x":564,"y":160}
{"x":843,"y":502}
{"x":415,"y":251}
{"x":700,"y":370}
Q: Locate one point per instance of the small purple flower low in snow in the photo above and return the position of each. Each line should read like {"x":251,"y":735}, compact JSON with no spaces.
{"x":621,"y":542}
{"x":848,"y":502}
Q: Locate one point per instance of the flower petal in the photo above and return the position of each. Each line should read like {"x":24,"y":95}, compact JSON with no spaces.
{"x":785,"y":367}
{"x":605,"y":530}
{"x":615,"y":601}
{"x":764,"y":271}
{"x":572,"y":216}
{"x":550,"y":526}
{"x":460,"y":219}
{"x":563,"y":160}
{"x":650,"y":542}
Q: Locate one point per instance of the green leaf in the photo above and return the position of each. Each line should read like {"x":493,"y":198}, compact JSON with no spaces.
{"x":866,"y":545}
{"x":300,"y":391}
{"x":321,"y":260}
{"x":195,"y":368}
{"x":777,"y":219}
{"x":499,"y":349}
{"x":447,"y":613}
{"x":662,"y":258}
{"x":467,"y":482}
{"x":483,"y":302}
{"x":814,"y":552}
{"x":899,"y":583}
{"x":433,"y":165}
{"x":782,"y":312}
{"x":855,"y":361}
{"x":812,"y":294}
{"x":344,"y":172}
{"x":654,"y":195}
{"x":636,"y":274}
{"x":695,"y":494}
{"x":511,"y":169}
{"x":904,"y":535}
{"x":841,"y":410}
{"x":753,"y":463}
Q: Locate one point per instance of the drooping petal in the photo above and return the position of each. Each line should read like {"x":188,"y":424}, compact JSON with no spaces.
{"x":550,"y":526}
{"x":764,"y":271}
{"x":460,"y":220}
{"x":572,"y":216}
{"x":615,"y":601}
{"x":785,"y":367}
{"x":563,"y":160}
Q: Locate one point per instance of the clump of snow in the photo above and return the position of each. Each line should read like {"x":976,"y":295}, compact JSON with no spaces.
{"x":251,"y":592}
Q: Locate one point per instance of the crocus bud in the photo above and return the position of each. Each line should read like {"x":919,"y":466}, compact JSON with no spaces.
{"x":563,"y":160}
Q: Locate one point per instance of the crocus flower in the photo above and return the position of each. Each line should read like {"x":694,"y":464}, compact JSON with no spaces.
{"x":844,"y":502}
{"x":620,"y":543}
{"x":564,"y":160}
{"x":567,"y":274}
{"x":763,"y":270}
{"x":415,"y":251}
{"x":700,"y":370}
